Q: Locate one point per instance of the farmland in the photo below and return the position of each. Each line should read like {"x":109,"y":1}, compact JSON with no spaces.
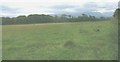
{"x":61,"y":41}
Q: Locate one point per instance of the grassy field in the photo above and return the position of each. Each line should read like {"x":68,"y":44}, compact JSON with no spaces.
{"x":61,"y":41}
{"x":0,"y":42}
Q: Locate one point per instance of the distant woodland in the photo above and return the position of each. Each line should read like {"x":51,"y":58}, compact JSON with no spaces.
{"x":42,"y":18}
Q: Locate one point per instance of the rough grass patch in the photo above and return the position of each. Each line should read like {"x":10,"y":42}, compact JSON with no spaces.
{"x":83,"y":31}
{"x":69,"y":44}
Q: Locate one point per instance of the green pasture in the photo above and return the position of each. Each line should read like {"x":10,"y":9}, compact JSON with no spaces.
{"x":61,"y":41}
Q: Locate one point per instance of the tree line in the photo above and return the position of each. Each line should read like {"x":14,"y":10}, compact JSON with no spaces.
{"x":117,"y":16}
{"x":42,"y":18}
{"x":117,"y":13}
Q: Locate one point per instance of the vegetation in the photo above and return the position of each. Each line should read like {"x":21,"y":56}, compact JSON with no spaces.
{"x":61,"y":41}
{"x":36,"y":18}
{"x":117,"y":13}
{"x":55,"y":40}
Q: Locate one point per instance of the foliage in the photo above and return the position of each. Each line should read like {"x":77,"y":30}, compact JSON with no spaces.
{"x":117,"y":13}
{"x":36,"y":18}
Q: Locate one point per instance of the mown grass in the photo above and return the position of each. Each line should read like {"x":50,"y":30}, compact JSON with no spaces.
{"x":61,"y":41}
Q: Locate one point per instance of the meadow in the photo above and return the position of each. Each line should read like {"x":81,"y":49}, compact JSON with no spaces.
{"x":61,"y":41}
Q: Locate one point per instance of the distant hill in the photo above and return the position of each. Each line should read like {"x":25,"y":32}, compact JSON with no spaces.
{"x":96,"y":14}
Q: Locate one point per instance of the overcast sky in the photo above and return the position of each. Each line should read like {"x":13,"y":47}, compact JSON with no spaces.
{"x":25,"y":7}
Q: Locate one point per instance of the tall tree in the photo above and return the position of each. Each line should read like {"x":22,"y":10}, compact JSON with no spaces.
{"x":21,"y":19}
{"x":117,"y":13}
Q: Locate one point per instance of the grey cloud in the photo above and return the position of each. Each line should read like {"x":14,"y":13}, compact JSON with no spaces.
{"x":91,"y":7}
{"x":97,"y":5}
{"x":62,"y":6}
{"x":91,"y":4}
{"x":110,"y":6}
{"x":119,"y":4}
{"x":88,"y":8}
{"x":7,"y":9}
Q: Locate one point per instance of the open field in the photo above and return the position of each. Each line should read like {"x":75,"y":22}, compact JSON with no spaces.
{"x":61,"y":41}
{"x":0,"y":42}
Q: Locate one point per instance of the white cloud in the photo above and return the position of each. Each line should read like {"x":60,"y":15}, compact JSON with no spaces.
{"x":104,"y":11}
{"x":45,"y":6}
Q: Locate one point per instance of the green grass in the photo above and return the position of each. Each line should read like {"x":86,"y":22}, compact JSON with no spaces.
{"x":54,"y":41}
{"x":0,"y":42}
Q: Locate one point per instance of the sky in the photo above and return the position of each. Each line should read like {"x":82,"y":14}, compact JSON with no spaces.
{"x":13,"y":8}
